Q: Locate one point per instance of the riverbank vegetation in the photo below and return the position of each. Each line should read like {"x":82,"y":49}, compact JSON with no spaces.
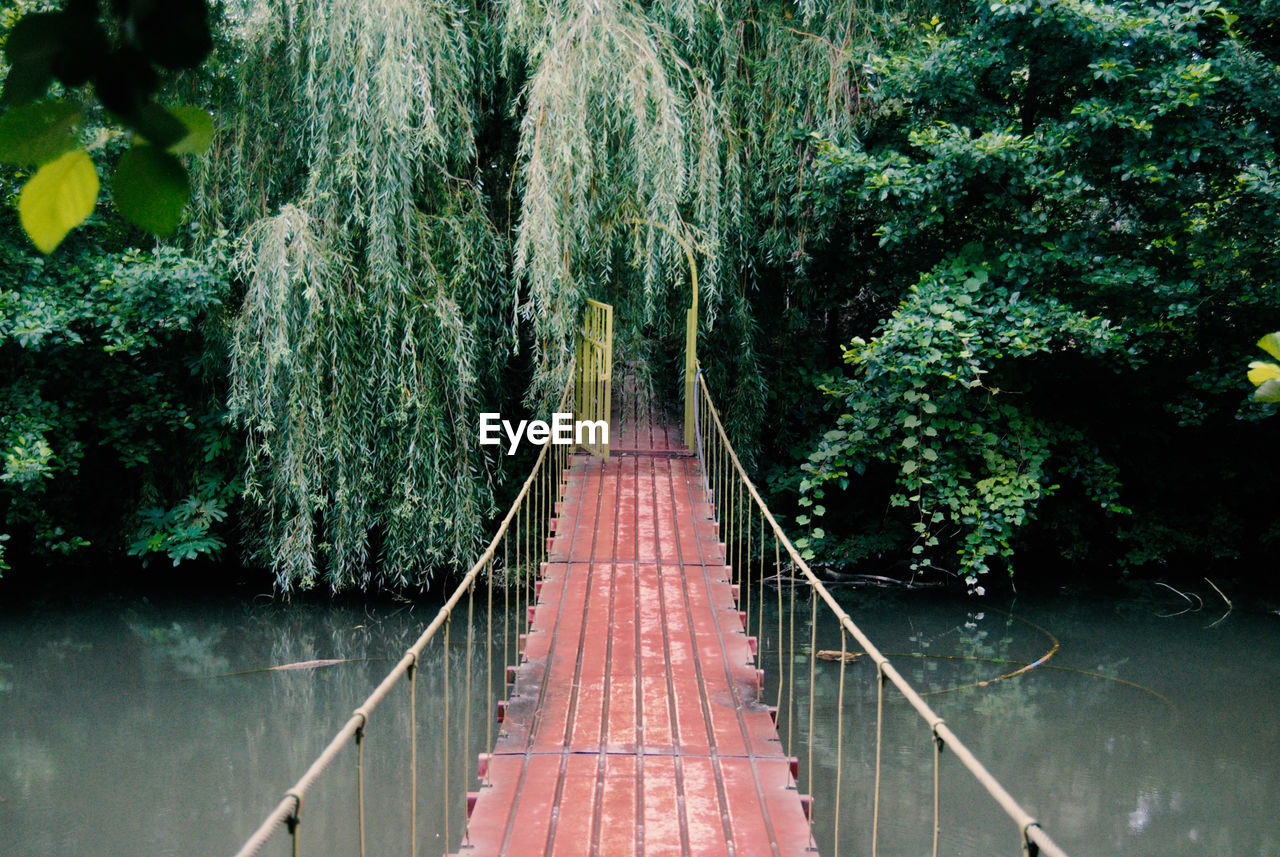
{"x":981,"y":282}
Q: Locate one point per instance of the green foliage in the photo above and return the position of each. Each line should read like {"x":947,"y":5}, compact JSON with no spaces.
{"x":151,"y":189}
{"x":1038,"y":215}
{"x":1068,"y":194}
{"x":71,"y":48}
{"x":781,"y":71}
{"x":187,"y":529}
{"x":372,"y":318}
{"x":971,"y":461}
{"x":642,"y":158}
{"x":384,"y":300}
{"x":1266,"y":376}
{"x":104,"y":407}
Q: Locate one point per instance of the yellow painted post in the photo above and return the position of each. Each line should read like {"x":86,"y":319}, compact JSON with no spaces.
{"x":593,"y":387}
{"x":690,"y":364}
{"x":608,"y":370}
{"x":690,"y":328}
{"x":690,"y":346}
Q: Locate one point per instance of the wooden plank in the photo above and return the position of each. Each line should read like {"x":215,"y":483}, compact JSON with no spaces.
{"x":635,"y":727}
{"x":617,"y":831}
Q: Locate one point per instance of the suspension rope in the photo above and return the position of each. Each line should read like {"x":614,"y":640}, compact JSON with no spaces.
{"x":286,"y":812}
{"x":466,"y":715}
{"x":1030,"y":831}
{"x":937,"y":765}
{"x":506,"y":614}
{"x":791,"y":663}
{"x":813,"y":651}
{"x":360,"y":778}
{"x":744,"y":567}
{"x":840,"y":739}
{"x":488,"y":666}
{"x":294,"y":820}
{"x":875,"y":803}
{"x":777,"y":704}
{"x":760,"y":593}
{"x":524,"y":568}
{"x":411,"y":675}
{"x":448,"y":730}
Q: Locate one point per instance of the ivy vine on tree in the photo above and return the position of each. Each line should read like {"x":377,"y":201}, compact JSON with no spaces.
{"x":1073,"y":196}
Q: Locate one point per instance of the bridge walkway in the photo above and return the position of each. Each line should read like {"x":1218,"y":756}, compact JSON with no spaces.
{"x":635,"y":725}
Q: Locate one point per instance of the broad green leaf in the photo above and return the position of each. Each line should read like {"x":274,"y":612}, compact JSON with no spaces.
{"x":1268,"y":392}
{"x":32,"y":48}
{"x":35,"y":134}
{"x":1271,"y":344}
{"x":58,"y":198}
{"x":158,"y":126}
{"x":1261,"y":372}
{"x":199,"y":125}
{"x":151,"y":189}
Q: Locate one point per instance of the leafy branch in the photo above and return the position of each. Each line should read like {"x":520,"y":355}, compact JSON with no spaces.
{"x":1266,"y":375}
{"x":72,"y":51}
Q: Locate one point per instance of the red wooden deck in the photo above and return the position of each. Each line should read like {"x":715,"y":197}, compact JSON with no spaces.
{"x":634,"y":727}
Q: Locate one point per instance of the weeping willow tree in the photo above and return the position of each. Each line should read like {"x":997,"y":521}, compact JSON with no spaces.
{"x":621,"y":149}
{"x":373,"y":281}
{"x":426,"y":193}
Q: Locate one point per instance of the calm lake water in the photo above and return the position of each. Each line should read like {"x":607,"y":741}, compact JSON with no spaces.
{"x":125,"y":727}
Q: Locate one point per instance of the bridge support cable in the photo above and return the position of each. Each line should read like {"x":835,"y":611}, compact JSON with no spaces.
{"x":411,"y":675}
{"x":510,"y":560}
{"x":734,"y":502}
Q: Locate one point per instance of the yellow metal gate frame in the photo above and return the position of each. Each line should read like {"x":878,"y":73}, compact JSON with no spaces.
{"x":593,"y":384}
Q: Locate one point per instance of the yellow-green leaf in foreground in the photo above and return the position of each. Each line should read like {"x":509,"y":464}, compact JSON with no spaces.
{"x":1269,"y":391}
{"x":58,"y":198}
{"x":1271,"y":344}
{"x":1260,"y":372}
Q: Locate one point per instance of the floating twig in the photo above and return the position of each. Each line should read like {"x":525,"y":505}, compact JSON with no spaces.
{"x":1230,"y":606}
{"x":1185,"y":597}
{"x":298,"y":665}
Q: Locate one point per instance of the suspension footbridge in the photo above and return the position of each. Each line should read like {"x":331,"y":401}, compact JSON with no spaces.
{"x":636,"y":719}
{"x":635,"y":726}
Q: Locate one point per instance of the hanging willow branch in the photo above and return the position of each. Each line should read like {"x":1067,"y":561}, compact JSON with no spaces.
{"x":613,"y":122}
{"x":378,"y":291}
{"x":356,"y":350}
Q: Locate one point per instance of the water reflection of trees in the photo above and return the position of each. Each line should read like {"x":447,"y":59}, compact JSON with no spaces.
{"x":116,"y":739}
{"x":1110,"y":767}
{"x":132,"y":716}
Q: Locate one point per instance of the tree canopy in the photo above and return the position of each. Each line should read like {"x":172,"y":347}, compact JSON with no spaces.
{"x":1077,"y":201}
{"x":1027,"y":246}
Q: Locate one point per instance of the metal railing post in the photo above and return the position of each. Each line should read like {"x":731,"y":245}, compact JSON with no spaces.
{"x":1033,"y":838}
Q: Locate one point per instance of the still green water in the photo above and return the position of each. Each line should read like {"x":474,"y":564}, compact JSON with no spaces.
{"x":122,"y":732}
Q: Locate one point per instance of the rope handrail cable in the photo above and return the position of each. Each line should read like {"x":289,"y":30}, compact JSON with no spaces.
{"x":288,"y":806}
{"x":1027,"y":825}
